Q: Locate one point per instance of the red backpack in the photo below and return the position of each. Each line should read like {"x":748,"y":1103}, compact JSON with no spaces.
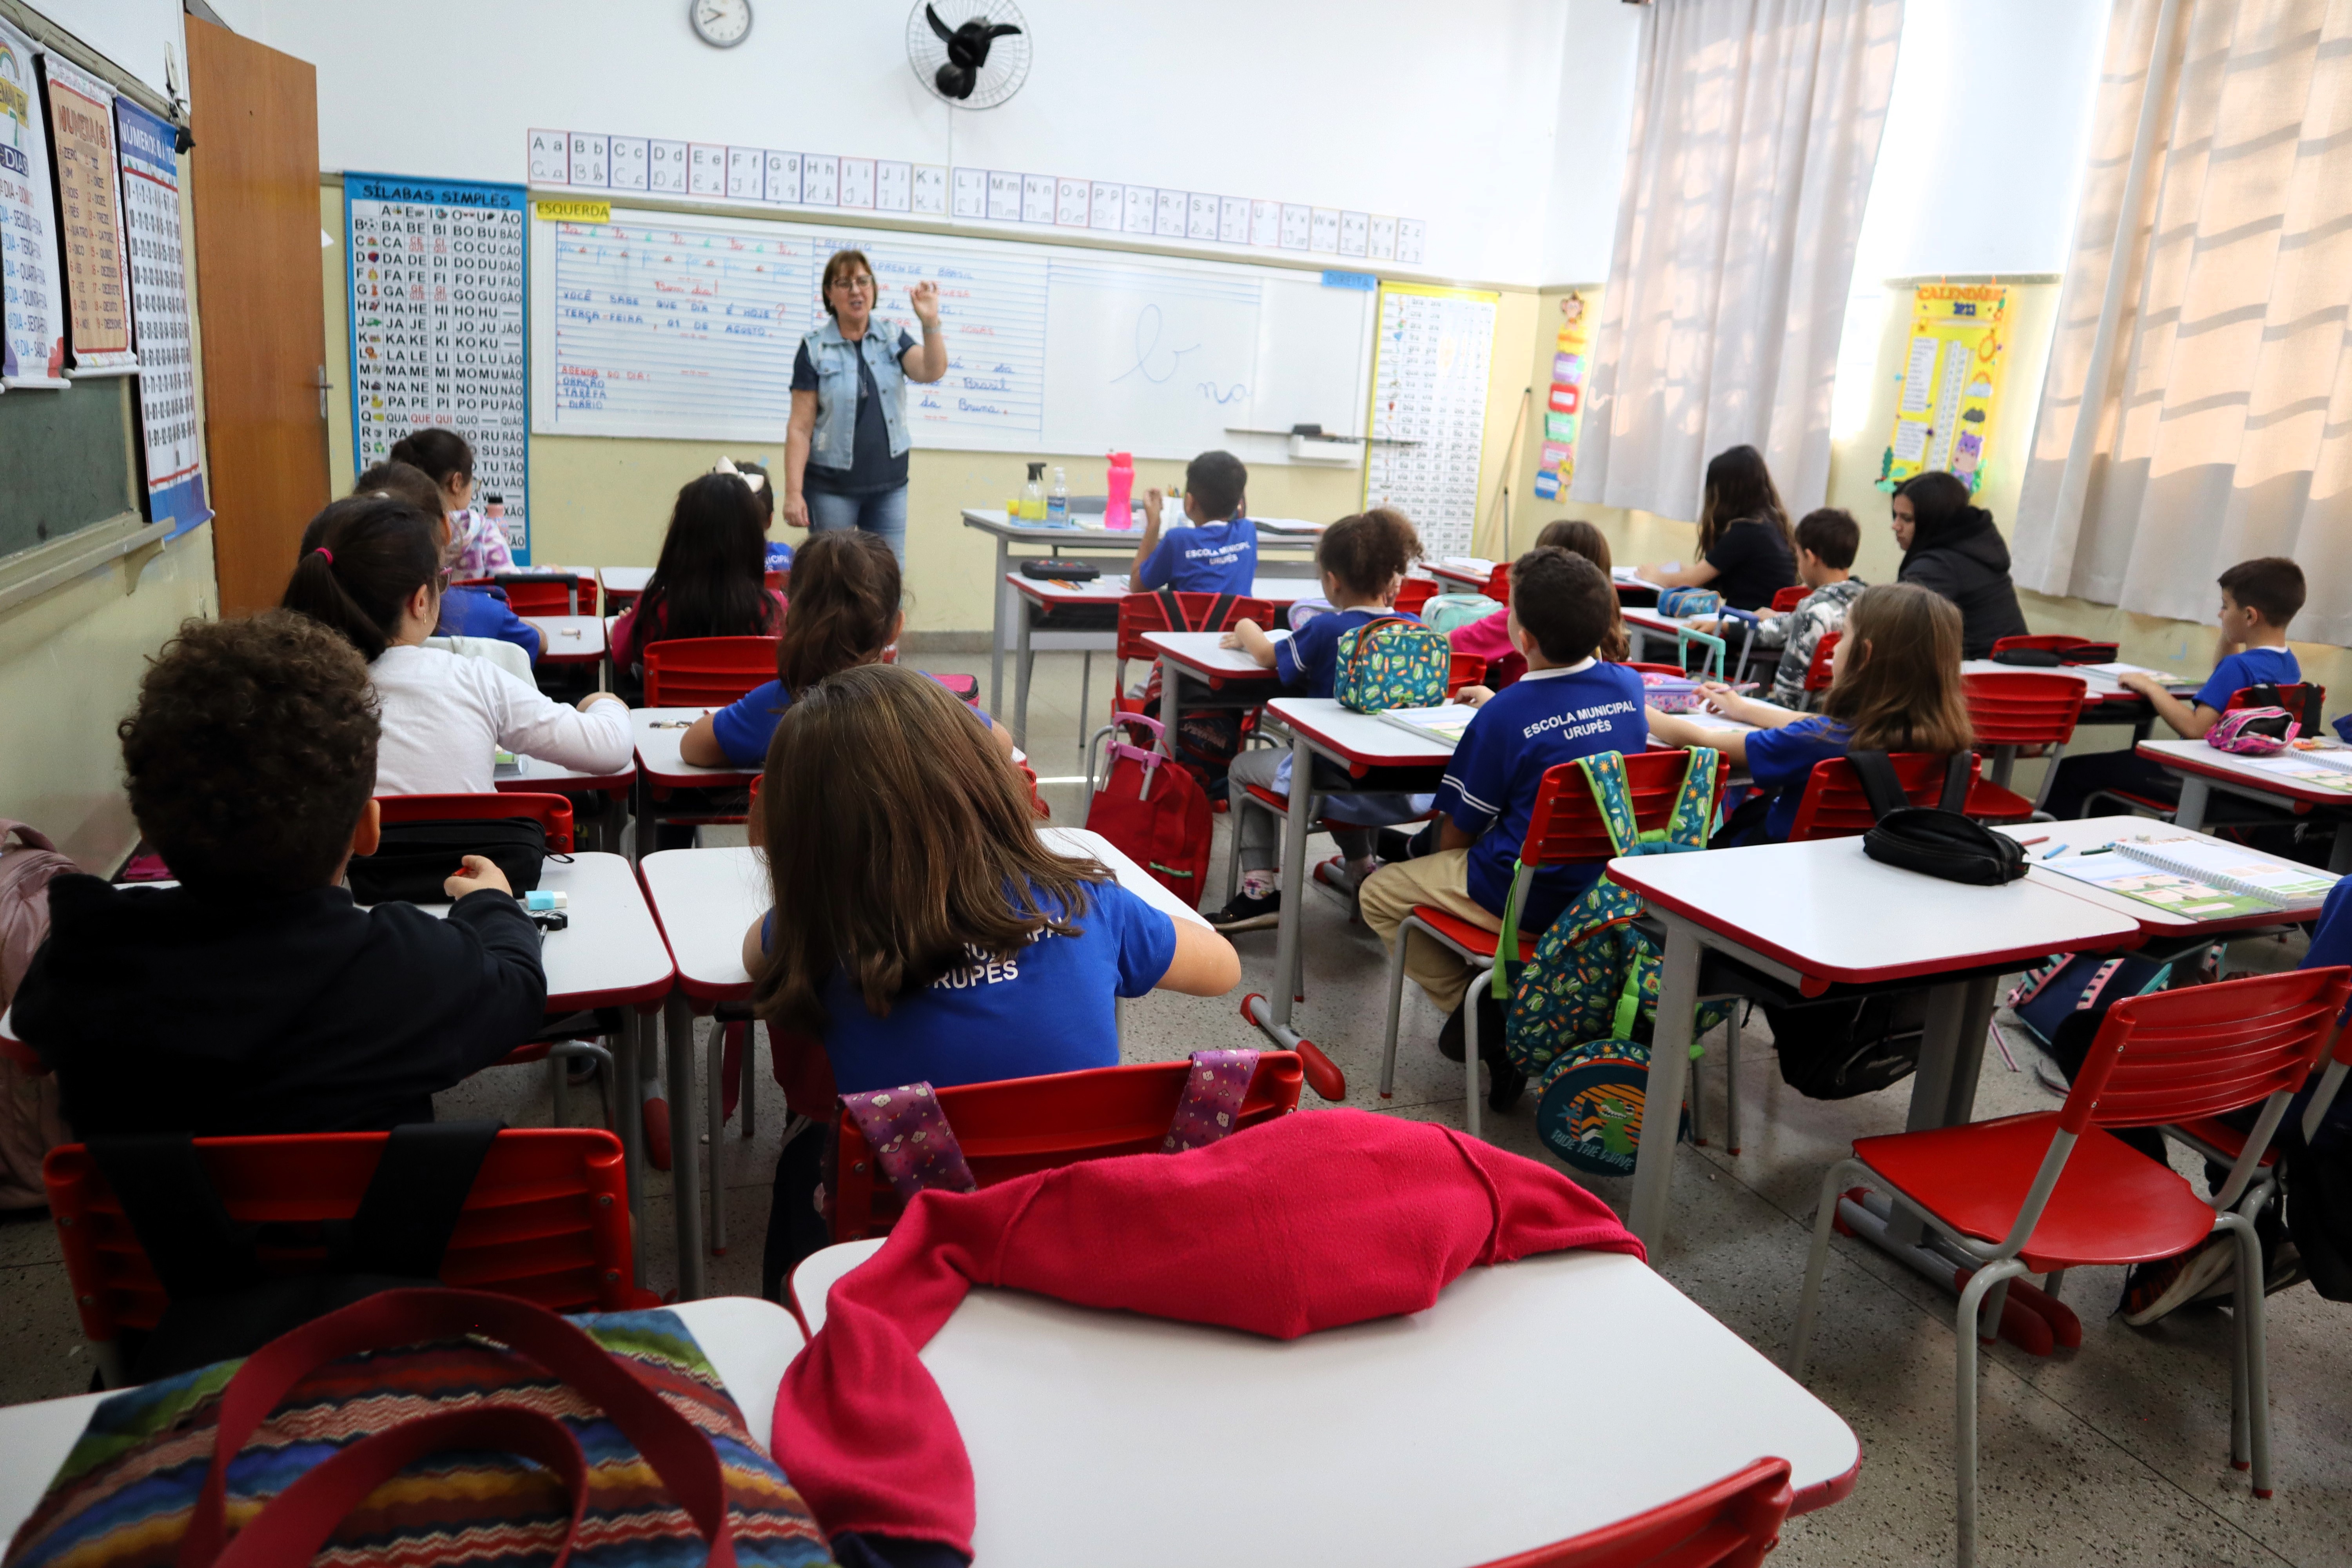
{"x":1156,"y":813}
{"x":30,"y":1125}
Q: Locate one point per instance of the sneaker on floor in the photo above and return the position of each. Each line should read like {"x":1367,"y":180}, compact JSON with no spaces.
{"x":1337,"y":875}
{"x":1453,"y":1039}
{"x":2154,"y":1289}
{"x":1505,"y":1082}
{"x":1243,"y":912}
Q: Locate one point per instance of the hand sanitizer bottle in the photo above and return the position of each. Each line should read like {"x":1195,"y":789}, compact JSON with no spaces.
{"x":1033,"y":495}
{"x":1058,"y":500}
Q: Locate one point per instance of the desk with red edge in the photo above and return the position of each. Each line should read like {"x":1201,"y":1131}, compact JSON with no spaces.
{"x":1240,"y":680}
{"x":1821,"y":913}
{"x":2164,"y":928}
{"x":1462,"y":574}
{"x":1042,"y":597}
{"x":658,"y":732}
{"x":2202,"y":771}
{"x":1087,"y":1427}
{"x":570,"y":640}
{"x":1370,"y":754}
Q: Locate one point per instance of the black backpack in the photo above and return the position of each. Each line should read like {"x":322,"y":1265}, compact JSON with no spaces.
{"x":416,"y":858}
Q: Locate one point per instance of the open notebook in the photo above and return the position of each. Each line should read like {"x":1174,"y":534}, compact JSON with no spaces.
{"x":1443,"y":724}
{"x":2201,"y":879}
{"x":2313,"y":770}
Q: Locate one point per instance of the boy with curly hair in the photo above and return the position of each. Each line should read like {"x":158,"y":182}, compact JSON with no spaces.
{"x":256,"y":996}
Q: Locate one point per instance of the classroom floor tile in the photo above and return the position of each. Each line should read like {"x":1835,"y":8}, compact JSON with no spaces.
{"x":2115,"y":1453}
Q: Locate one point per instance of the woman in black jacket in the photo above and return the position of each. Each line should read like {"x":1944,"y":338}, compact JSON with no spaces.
{"x":1953,"y":549}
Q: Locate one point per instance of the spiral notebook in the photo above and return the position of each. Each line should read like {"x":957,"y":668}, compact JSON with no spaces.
{"x":2314,"y":770}
{"x":2201,"y":879}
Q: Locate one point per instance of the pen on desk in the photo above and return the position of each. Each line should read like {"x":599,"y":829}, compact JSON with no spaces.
{"x":2030,"y":843}
{"x":2055,"y":851}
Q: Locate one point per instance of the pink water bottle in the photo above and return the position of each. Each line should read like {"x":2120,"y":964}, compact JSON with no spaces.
{"x":1117,"y":489}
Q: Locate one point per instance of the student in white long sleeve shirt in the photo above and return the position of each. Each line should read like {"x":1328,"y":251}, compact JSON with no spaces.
{"x":374,"y":574}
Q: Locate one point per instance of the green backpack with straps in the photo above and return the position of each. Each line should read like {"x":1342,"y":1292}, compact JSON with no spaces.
{"x":1583,"y":1007}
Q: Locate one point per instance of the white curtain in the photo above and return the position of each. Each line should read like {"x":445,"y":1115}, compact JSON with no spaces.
{"x":2197,"y":410}
{"x":1756,"y":129}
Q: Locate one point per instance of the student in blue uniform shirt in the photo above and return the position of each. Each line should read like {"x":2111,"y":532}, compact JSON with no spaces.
{"x":846,"y":611}
{"x":2259,"y":598}
{"x":1568,"y":705}
{"x":1895,"y":687}
{"x":1363,"y":559}
{"x":464,"y":612}
{"x":1218,"y":554}
{"x":780,"y":554}
{"x":918,"y":926}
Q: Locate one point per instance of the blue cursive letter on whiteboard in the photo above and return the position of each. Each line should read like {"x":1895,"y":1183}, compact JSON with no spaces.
{"x":1147,"y":341}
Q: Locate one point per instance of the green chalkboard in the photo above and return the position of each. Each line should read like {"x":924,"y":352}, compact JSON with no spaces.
{"x":68,"y":459}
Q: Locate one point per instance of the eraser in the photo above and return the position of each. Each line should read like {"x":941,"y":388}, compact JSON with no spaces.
{"x":537,"y":901}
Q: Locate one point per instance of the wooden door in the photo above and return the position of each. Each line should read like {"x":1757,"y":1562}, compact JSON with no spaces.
{"x":254,"y":188}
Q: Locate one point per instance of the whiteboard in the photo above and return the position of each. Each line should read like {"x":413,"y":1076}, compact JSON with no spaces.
{"x":684,"y":326}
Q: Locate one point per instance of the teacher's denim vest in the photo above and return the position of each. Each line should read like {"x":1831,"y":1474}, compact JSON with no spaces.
{"x":834,"y":357}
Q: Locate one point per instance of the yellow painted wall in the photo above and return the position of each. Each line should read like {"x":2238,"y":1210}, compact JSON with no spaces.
{"x":603,"y":501}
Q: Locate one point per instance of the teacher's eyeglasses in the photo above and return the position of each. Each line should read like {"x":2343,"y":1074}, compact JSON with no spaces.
{"x":853,"y":285}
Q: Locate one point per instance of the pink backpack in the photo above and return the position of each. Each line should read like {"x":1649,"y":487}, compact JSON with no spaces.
{"x":30,"y":1124}
{"x":2254,"y":731}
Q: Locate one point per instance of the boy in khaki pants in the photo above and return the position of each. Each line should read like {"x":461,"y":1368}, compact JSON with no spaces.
{"x":1568,"y":705}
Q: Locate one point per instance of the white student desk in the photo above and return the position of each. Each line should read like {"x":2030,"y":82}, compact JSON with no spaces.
{"x":1037,"y":598}
{"x":1199,"y":656}
{"x":705,"y":899}
{"x":749,"y":1343}
{"x":1461,"y":574}
{"x":656,"y":732}
{"x":2202,"y":770}
{"x":1087,"y":1427}
{"x":1361,"y":744}
{"x":1822,"y":912}
{"x":570,"y":640}
{"x":1283,"y":535}
{"x":623,"y":584}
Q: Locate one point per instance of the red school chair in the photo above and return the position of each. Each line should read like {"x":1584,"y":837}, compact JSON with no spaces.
{"x":541,"y":593}
{"x":1415,"y":593}
{"x":1564,"y":829}
{"x":2050,"y":1191}
{"x":1817,"y":674}
{"x":1733,"y":1523}
{"x":1014,"y":1126}
{"x":547,"y":1220}
{"x":551,"y":811}
{"x":2023,"y":712}
{"x":1835,"y":806}
{"x":2058,"y":643}
{"x":707,"y":672}
{"x":1789,"y":598}
{"x":1498,"y":583}
{"x":1151,"y":612}
{"x":1466,"y":670}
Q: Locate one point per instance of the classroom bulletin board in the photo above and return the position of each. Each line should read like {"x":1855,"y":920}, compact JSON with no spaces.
{"x":1951,"y":382}
{"x":1564,"y":403}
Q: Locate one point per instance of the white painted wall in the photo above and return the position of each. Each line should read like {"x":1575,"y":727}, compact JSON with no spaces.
{"x":1594,"y":123}
{"x":131,"y":33}
{"x":1384,"y":106}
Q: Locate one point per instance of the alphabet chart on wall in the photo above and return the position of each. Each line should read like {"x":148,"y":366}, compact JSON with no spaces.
{"x":437,"y":283}
{"x":90,"y":214}
{"x":159,"y":317}
{"x":32,"y":288}
{"x":1429,"y":409}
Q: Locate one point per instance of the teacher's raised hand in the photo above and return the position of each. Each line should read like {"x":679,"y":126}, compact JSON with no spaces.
{"x":925,"y":298}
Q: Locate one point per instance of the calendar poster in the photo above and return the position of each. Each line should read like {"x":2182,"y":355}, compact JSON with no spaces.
{"x":90,"y":221}
{"x":1951,"y":382}
{"x":1428,"y":424}
{"x":32,"y":290}
{"x":437,"y":312}
{"x":172,"y":440}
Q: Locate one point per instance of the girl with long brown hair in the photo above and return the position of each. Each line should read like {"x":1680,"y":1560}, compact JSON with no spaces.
{"x":921,"y":927}
{"x":1746,"y":551}
{"x":1490,"y":639}
{"x":1895,"y":688}
{"x":845,"y":610}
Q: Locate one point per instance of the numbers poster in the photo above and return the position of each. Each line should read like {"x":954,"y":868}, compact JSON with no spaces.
{"x":90,"y":220}
{"x":1428,"y":422}
{"x":159,"y":318}
{"x":1951,"y":382}
{"x":436,"y":311}
{"x":33,"y":347}
{"x":1564,"y":405}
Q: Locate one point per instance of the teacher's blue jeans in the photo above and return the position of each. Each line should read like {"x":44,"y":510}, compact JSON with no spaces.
{"x":879,"y":512}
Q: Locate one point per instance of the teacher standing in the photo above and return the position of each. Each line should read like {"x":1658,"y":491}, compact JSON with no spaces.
{"x":845,"y":448}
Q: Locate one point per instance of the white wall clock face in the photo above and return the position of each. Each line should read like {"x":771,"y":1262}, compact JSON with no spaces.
{"x":721,"y":24}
